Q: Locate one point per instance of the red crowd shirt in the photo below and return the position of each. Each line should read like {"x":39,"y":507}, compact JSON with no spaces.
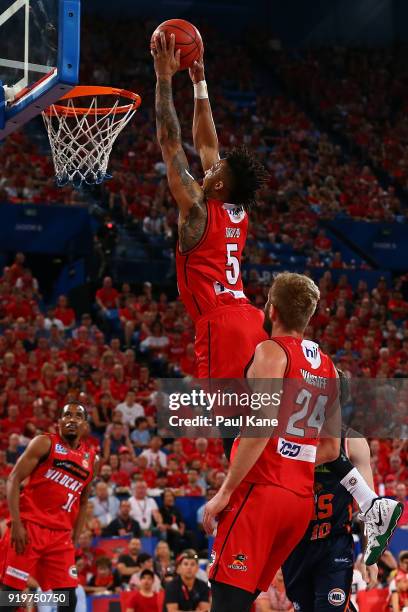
{"x":140,"y":603}
{"x":108,"y":297}
{"x":66,"y":315}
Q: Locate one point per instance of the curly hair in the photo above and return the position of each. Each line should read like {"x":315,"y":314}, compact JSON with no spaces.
{"x":248,"y":175}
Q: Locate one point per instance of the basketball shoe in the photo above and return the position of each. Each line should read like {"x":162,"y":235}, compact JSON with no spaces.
{"x":380,"y":522}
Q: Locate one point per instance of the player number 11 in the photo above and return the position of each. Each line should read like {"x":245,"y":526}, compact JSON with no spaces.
{"x":69,"y":503}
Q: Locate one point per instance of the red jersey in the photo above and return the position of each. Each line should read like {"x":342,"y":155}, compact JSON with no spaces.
{"x":309,"y":390}
{"x":209,"y":274}
{"x":51,"y":497}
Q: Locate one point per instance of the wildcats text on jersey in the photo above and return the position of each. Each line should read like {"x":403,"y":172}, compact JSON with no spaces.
{"x":64,"y":480}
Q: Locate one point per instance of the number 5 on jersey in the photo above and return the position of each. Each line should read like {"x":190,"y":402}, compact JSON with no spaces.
{"x":232,"y":273}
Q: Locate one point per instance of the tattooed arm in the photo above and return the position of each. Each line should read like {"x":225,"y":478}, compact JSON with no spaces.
{"x":186,"y":191}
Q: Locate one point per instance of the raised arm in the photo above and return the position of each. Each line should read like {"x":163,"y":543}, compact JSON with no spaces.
{"x":38,"y":448}
{"x":186,"y":191}
{"x":204,"y":132}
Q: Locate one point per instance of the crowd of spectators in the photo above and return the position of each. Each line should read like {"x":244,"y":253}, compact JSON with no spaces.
{"x":113,"y":359}
{"x":310,"y":177}
{"x":360,"y":94}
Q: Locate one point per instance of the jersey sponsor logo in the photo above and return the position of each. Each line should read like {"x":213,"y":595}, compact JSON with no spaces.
{"x":342,"y":560}
{"x":85,"y":461}
{"x":288,"y":449}
{"x":61,"y":450}
{"x":239,"y":563}
{"x":295,"y":451}
{"x":73,"y":572}
{"x":336,"y":597}
{"x":311,"y":353}
{"x":16,"y":573}
{"x":235,"y":213}
{"x":71,"y":467}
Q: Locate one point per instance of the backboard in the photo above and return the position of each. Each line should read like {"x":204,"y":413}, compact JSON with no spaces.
{"x":39,"y":57}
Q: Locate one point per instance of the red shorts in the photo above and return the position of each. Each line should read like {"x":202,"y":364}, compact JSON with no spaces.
{"x":49,"y":557}
{"x":256,"y":532}
{"x":226,"y":340}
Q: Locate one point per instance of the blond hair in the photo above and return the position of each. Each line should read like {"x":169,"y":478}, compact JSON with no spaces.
{"x":295,"y":297}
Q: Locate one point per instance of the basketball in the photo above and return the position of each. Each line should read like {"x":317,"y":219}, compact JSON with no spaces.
{"x":187,"y":39}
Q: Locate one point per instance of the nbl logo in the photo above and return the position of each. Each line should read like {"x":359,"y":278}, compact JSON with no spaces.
{"x":289,"y":449}
{"x":336,"y":597}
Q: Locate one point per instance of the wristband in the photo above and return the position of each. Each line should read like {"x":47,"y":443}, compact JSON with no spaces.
{"x":200,"y":90}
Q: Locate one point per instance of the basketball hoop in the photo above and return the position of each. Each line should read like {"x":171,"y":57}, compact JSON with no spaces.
{"x":81,"y":137}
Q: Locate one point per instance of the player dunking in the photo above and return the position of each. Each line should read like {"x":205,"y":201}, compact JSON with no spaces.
{"x":213,"y":225}
{"x":48,"y":516}
{"x":266,"y":500}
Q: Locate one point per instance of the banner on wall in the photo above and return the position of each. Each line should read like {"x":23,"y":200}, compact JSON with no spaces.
{"x":384,"y":243}
{"x":265,"y":274}
{"x":45,"y":229}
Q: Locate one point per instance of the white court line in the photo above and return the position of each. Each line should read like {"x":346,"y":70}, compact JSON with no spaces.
{"x":18,"y":4}
{"x":22,"y":65}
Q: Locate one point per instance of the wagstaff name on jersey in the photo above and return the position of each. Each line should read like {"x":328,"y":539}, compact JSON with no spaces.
{"x":232,"y":232}
{"x":317,"y":381}
{"x":64,"y":480}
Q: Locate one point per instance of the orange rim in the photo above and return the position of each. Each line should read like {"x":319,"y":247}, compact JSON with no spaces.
{"x":83,"y":90}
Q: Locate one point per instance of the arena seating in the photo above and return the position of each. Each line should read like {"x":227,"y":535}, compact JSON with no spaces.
{"x":317,"y":179}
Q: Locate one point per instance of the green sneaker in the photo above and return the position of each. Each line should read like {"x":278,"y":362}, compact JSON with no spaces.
{"x":380,"y":522}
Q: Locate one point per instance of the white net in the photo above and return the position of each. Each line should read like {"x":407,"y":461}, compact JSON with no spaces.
{"x":81,"y":141}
